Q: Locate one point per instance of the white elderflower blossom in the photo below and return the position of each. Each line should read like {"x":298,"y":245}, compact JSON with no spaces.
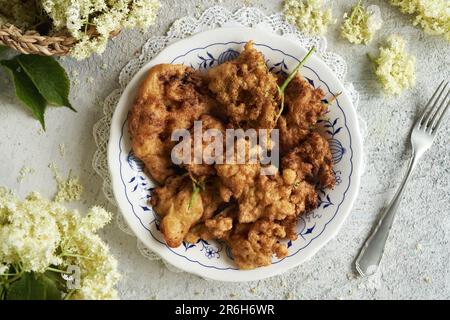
{"x":310,"y":16}
{"x":142,"y":13}
{"x":105,"y":17}
{"x":3,"y":269}
{"x":74,"y":20}
{"x":40,"y":235}
{"x":98,"y":270}
{"x":395,"y":68}
{"x":361,"y":24}
{"x":89,"y":22}
{"x":86,"y":46}
{"x":28,"y":234}
{"x":107,"y":23}
{"x":96,"y":219}
{"x":55,"y":10}
{"x":69,"y":189}
{"x":432,"y":15}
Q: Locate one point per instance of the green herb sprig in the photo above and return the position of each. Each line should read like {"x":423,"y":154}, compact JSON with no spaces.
{"x":197,"y":187}
{"x":282,"y":88}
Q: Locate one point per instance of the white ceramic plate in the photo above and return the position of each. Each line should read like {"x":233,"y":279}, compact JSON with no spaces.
{"x":212,"y":260}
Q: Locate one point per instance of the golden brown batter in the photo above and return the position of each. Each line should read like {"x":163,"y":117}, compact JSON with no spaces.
{"x":234,"y":203}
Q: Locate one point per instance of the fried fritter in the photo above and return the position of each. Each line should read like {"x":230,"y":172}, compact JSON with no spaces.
{"x":246,"y":90}
{"x":218,"y":227}
{"x":168,"y":99}
{"x":255,"y":244}
{"x":234,"y":203}
{"x":211,"y":198}
{"x":312,"y":160}
{"x":179,"y":208}
{"x":294,"y":193}
{"x":162,"y":196}
{"x":204,"y":169}
{"x":272,"y":197}
{"x":303,"y":108}
{"x":236,"y":178}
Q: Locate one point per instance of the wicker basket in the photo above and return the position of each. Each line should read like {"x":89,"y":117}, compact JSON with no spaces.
{"x":31,"y":42}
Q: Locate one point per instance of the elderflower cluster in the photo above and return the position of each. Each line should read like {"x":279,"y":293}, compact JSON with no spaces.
{"x":310,"y":16}
{"x":106,"y":16}
{"x":361,"y":24}
{"x":69,"y":189}
{"x":395,"y":68}
{"x":37,"y":234}
{"x":432,"y":15}
{"x":89,"y":22}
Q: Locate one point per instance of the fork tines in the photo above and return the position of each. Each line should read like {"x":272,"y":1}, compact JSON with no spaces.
{"x":436,"y":109}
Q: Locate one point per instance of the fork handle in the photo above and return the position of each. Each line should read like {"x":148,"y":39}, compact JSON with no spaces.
{"x":370,"y":255}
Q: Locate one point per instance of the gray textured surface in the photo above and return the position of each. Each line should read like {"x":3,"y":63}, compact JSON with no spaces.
{"x":416,"y":263}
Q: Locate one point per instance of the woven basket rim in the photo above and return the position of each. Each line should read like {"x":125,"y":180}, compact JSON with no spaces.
{"x":32,"y":42}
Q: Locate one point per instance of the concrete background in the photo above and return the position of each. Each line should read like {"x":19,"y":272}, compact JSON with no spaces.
{"x":416,"y":262}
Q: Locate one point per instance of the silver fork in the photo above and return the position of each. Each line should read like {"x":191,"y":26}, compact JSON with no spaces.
{"x":422,"y":137}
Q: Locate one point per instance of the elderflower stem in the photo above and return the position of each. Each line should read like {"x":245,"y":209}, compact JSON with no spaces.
{"x":73,"y":255}
{"x":283,"y":87}
{"x":193,"y":179}
{"x":354,"y":11}
{"x":57,"y":270}
{"x":17,"y":277}
{"x":281,"y":108}
{"x":371,"y":58}
{"x":69,"y":294}
{"x":297,"y":68}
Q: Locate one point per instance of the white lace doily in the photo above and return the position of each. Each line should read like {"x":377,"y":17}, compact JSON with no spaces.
{"x":212,"y":18}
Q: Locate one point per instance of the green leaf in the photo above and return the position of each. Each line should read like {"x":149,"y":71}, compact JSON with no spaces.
{"x":57,"y":279}
{"x":26,"y":91}
{"x":49,"y":78}
{"x":33,"y":287}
